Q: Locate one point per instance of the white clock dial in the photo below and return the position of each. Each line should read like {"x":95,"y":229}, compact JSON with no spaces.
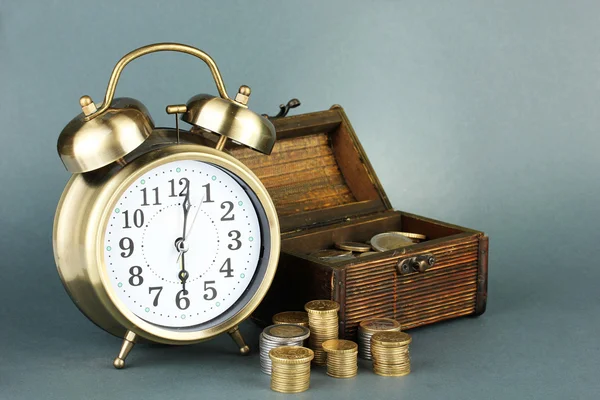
{"x":144,"y":247}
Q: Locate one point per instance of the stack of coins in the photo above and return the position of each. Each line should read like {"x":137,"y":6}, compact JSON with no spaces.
{"x":276,"y":336}
{"x":291,"y":317}
{"x":323,"y":324}
{"x":341,"y":358}
{"x":291,"y":369}
{"x":368,"y":328}
{"x":390,"y":353}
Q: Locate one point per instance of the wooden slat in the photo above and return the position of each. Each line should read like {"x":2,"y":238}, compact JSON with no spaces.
{"x":445,"y":291}
{"x":301,"y":174}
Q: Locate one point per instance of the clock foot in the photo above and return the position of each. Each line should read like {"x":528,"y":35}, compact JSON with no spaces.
{"x":128,"y":343}
{"x":236,"y":335}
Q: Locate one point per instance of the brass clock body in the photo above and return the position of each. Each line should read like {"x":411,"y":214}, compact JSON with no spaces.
{"x":78,"y":237}
{"x":110,"y":147}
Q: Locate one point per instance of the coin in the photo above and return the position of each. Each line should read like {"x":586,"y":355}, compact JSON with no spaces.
{"x":353,"y":246}
{"x":390,"y":352}
{"x":291,"y":317}
{"x":332,"y":255}
{"x":390,"y":339}
{"x":390,"y":241}
{"x":368,"y":328}
{"x":291,"y":355}
{"x":379,"y":325}
{"x":291,"y":369}
{"x":410,"y":235}
{"x":340,"y":346}
{"x":321,"y":306}
{"x":341,"y":358}
{"x":286,"y":332}
{"x":368,"y":253}
{"x":266,"y":345}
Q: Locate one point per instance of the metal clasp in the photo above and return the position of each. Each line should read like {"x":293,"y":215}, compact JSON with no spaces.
{"x":284,"y":109}
{"x":420,"y":263}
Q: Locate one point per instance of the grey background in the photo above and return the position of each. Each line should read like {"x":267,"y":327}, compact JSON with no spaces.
{"x":480,"y":113}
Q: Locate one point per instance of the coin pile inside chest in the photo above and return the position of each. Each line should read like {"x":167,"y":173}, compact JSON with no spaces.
{"x":346,"y":250}
{"x":277,"y":336}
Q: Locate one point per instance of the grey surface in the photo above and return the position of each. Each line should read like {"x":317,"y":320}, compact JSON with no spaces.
{"x":484,"y":114}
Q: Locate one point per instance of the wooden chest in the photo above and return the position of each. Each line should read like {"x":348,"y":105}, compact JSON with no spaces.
{"x":325,"y":191}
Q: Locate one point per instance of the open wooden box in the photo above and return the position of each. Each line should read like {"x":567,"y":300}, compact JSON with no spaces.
{"x":325,"y":190}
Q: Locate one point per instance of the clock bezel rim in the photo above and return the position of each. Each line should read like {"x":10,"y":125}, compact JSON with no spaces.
{"x":109,"y":193}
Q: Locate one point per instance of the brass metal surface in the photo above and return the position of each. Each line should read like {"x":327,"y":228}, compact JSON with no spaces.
{"x":79,"y":226}
{"x":236,"y":335}
{"x":229,"y":118}
{"x":154,"y":48}
{"x":88,"y":145}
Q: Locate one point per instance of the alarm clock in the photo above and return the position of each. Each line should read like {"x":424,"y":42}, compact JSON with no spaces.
{"x":160,"y":235}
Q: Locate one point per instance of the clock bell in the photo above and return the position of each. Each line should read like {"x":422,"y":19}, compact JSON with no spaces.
{"x":104,"y":133}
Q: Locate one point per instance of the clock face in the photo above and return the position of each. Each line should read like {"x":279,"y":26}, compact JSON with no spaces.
{"x":183,"y":244}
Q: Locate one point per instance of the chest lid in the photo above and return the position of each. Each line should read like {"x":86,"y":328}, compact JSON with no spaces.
{"x":318,"y":172}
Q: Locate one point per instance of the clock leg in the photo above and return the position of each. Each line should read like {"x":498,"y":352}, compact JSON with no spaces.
{"x":236,"y":335}
{"x":126,"y":347}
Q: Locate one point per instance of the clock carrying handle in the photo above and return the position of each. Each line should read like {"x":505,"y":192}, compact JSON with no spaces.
{"x":154,"y":48}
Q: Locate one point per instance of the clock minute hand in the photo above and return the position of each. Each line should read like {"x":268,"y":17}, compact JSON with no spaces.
{"x":189,"y":231}
{"x":181,"y":245}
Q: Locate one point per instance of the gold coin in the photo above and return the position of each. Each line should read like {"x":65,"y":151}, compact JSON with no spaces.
{"x":321,"y":307}
{"x":390,"y":339}
{"x":340,"y":346}
{"x":295,"y":378}
{"x":379,"y":325}
{"x":368,"y":253}
{"x":390,"y":241}
{"x":410,"y":235}
{"x":344,"y":375}
{"x":286,"y":331}
{"x":291,"y":317}
{"x":353,"y":246}
{"x":392,"y":374}
{"x":328,"y":254}
{"x":291,"y":355}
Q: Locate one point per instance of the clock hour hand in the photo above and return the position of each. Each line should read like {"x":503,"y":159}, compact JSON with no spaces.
{"x":183,"y":274}
{"x":180,"y":243}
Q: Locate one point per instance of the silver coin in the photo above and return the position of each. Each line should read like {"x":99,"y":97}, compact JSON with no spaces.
{"x":266,"y":345}
{"x":390,"y":241}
